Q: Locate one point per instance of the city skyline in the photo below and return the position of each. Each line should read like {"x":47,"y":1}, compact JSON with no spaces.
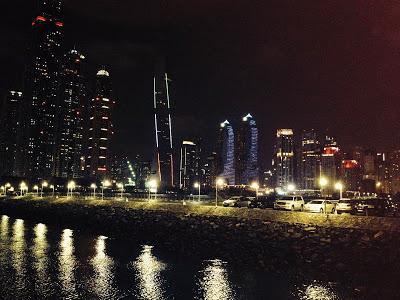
{"x":133,"y":55}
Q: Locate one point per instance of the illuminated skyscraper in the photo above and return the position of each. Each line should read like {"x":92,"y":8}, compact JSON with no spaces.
{"x":69,"y":157}
{"x":42,"y":80}
{"x":226,"y":153}
{"x":100,"y":127}
{"x":330,"y":162}
{"x":284,"y":157}
{"x":310,"y":160}
{"x":189,"y":165}
{"x":163,"y":129}
{"x":247,"y":151}
{"x":9,"y":126}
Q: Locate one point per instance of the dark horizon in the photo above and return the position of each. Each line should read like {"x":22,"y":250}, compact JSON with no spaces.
{"x":323,"y":66}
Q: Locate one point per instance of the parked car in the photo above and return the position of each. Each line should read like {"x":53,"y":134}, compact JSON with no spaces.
{"x":320,"y":206}
{"x":262,"y":202}
{"x":238,"y":201}
{"x":345,"y":206}
{"x":289,"y":203}
{"x":368,"y":207}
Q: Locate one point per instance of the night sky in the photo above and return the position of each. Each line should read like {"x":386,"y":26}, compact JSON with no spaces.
{"x":329,"y":65}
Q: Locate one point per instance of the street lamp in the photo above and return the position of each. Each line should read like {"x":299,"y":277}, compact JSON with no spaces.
{"x":255,"y":186}
{"x":94,"y":186}
{"x":291,"y":187}
{"x":7,"y":186}
{"x":23,"y":187}
{"x":197,"y":186}
{"x":339,"y":187}
{"x":71,"y":186}
{"x":121,"y":187}
{"x":105,"y":183}
{"x":152,"y":185}
{"x":37,"y":190}
{"x":218,"y":182}
{"x":323,"y":182}
{"x":44,"y":184}
{"x":52,"y":187}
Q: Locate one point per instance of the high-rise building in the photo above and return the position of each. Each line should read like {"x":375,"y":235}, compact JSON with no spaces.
{"x":284,"y":158}
{"x":119,"y":169}
{"x":42,"y":80}
{"x":9,"y":127}
{"x":189,"y":165}
{"x":247,"y":151}
{"x":69,"y":156}
{"x":329,"y":159}
{"x":310,"y":160}
{"x":163,"y":128}
{"x":383,"y":184}
{"x":209,"y":171}
{"x":100,"y":128}
{"x":351,"y":174}
{"x":226,"y":153}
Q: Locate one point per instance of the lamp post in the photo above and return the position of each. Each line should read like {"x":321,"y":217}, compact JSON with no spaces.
{"x":255,"y":186}
{"x":53,"y":189}
{"x":323,"y":182}
{"x":7,"y":186}
{"x":37,"y":190}
{"x":44,"y":184}
{"x":152,"y":185}
{"x":105,"y":183}
{"x":339,"y":187}
{"x":93,"y":186}
{"x":291,"y":187}
{"x":218,"y":182}
{"x":23,"y":187}
{"x":197,"y":185}
{"x":71,"y":186}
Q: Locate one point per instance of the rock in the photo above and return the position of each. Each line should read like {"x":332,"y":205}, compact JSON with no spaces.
{"x":378,"y":235}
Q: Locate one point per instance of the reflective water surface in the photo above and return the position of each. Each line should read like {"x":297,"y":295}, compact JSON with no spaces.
{"x":39,"y":261}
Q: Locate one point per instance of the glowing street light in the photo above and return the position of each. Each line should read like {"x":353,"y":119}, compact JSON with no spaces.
{"x":197,"y":185}
{"x":7,"y":186}
{"x":291,"y":187}
{"x":71,"y":186}
{"x":23,"y":187}
{"x":152,"y":186}
{"x":105,"y":183}
{"x":339,"y":187}
{"x":219,"y":182}
{"x":3,"y":188}
{"x":37,"y":190}
{"x":121,"y":187}
{"x":255,"y":186}
{"x":94,"y":187}
{"x":44,"y":184}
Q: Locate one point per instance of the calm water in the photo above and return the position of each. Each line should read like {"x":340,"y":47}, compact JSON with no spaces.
{"x":39,"y":261}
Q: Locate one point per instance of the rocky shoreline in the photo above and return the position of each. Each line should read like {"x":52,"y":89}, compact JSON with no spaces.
{"x":315,"y":248}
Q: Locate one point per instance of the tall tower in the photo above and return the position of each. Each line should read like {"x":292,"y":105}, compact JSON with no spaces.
{"x":42,"y":79}
{"x":226,"y":153}
{"x":69,"y":160}
{"x":189,"y":165}
{"x":310,"y":160}
{"x":9,"y":126}
{"x":247,"y":151}
{"x":163,"y":128}
{"x":100,"y":127}
{"x":284,"y":157}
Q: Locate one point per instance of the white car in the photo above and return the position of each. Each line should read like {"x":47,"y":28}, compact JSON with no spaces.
{"x":238,"y":201}
{"x":289,"y":203}
{"x":320,"y":206}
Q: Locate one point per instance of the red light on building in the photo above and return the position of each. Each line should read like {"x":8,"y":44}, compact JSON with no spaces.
{"x":40,"y":18}
{"x":330,"y":150}
{"x":102,"y":169}
{"x":350,"y":164}
{"x":59,"y":24}
{"x":33,"y":23}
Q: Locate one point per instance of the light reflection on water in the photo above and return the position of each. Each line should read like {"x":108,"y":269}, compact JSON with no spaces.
{"x":148,"y":272}
{"x":37,"y":262}
{"x":102,"y":282}
{"x":67,"y":265}
{"x":18,"y":255}
{"x":214,"y":284}
{"x":317,"y":291}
